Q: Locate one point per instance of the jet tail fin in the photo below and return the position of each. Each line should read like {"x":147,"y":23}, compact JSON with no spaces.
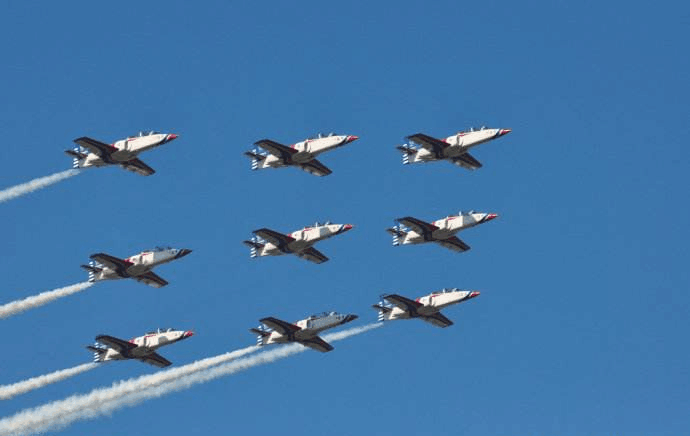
{"x":93,"y":268}
{"x":99,"y":352}
{"x":253,"y":245}
{"x":407,"y":151}
{"x":384,"y":309}
{"x":262,"y":334}
{"x":256,"y":157}
{"x":78,"y":154}
{"x":397,"y":232}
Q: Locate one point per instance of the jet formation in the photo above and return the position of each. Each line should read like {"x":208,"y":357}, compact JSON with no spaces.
{"x":267,"y":242}
{"x":453,"y":149}
{"x":138,"y":267}
{"x":142,"y":348}
{"x":94,"y":153}
{"x":305,"y":331}
{"x":412,"y":230}
{"x":300,"y":154}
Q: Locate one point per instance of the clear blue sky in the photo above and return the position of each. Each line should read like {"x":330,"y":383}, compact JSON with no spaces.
{"x":581,"y":327}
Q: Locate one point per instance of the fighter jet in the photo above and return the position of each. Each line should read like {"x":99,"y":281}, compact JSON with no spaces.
{"x":453,"y":148}
{"x":275,"y":331}
{"x":301,"y":154}
{"x":267,"y":242}
{"x":415,"y":231}
{"x":93,"y":153}
{"x":137,"y":267}
{"x":426,"y":308}
{"x":142,"y":348}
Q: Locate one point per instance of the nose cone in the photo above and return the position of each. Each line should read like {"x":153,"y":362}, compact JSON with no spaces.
{"x":489,"y":217}
{"x":473,"y":294}
{"x":183,"y":252}
{"x":504,"y":132}
{"x":187,"y":334}
{"x":346,"y":227}
{"x":170,"y":137}
{"x":351,"y":138}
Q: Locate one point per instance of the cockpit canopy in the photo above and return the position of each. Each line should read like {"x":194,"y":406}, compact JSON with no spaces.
{"x":160,"y":248}
{"x":322,"y":315}
{"x":161,"y":330}
{"x":143,"y":133}
{"x":473,"y":129}
{"x":323,"y":135}
{"x":469,"y":212}
{"x":318,"y":224}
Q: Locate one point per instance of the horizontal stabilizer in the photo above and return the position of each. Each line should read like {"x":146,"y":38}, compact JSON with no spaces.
{"x":381,"y":308}
{"x":262,"y":333}
{"x":407,"y":149}
{"x":75,"y":154}
{"x":397,"y":233}
{"x":254,"y":155}
{"x":98,"y":352}
{"x":253,"y":245}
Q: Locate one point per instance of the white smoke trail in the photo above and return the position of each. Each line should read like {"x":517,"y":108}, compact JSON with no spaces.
{"x":35,"y":184}
{"x":22,"y":387}
{"x":20,"y":306}
{"x":59,"y":414}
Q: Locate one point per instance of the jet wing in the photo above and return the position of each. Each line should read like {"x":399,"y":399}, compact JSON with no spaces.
{"x":467,"y":161}
{"x":97,"y":147}
{"x":438,"y":320}
{"x":434,"y":145}
{"x":112,"y":262}
{"x":312,"y":255}
{"x":121,"y":346}
{"x":276,"y":238}
{"x":316,"y":168}
{"x":454,"y":243}
{"x":152,"y":279}
{"x":318,"y":344}
{"x":419,"y":226}
{"x":282,"y":327}
{"x":137,"y":166}
{"x":403,"y":303}
{"x":276,"y":149}
{"x":155,"y":359}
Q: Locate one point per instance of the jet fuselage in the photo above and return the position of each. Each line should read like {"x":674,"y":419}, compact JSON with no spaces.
{"x":432,"y":303}
{"x":309,"y":149}
{"x":304,"y":238}
{"x":148,"y":344}
{"x":142,"y":263}
{"x":310,"y":327}
{"x":459,"y":144}
{"x":128,"y":149}
{"x":447,"y":227}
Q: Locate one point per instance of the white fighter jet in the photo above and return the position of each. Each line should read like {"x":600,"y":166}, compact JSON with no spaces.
{"x":93,"y":153}
{"x":267,"y":242}
{"x":301,"y":154}
{"x":426,"y":308}
{"x":137,"y":267}
{"x":415,"y":231}
{"x":142,"y":348}
{"x":453,"y":148}
{"x":275,"y":331}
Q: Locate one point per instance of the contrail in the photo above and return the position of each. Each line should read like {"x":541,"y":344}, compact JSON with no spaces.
{"x":59,"y":414}
{"x":35,"y":184}
{"x":20,"y":306}
{"x":22,"y":387}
